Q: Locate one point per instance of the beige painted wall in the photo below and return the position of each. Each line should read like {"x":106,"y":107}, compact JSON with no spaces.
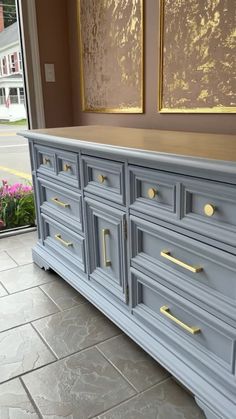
{"x":224,"y":123}
{"x":52,"y":20}
{"x":58,"y":44}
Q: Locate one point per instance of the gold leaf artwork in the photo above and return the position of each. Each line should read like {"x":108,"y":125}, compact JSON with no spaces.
{"x":198,"y":56}
{"x":111,"y":43}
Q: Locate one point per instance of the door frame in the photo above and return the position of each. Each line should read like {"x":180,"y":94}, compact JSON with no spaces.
{"x":28,"y":29}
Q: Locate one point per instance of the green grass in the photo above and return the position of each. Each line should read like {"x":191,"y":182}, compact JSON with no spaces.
{"x":20,"y":122}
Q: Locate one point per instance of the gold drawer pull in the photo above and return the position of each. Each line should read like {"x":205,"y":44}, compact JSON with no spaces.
{"x":62,"y":204}
{"x":65,"y":243}
{"x":166,"y":311}
{"x":67,"y":167}
{"x":105,"y":232}
{"x":152,"y":193}
{"x":101,"y":178}
{"x":47,"y":160}
{"x":209,"y":210}
{"x":166,"y":254}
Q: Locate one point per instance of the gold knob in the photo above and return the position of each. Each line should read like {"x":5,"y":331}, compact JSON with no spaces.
{"x":209,"y":210}
{"x":101,"y":178}
{"x":152,"y":193}
{"x":67,"y":167}
{"x":47,"y":160}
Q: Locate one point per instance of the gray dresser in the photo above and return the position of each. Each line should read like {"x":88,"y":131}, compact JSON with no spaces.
{"x":143,"y":224}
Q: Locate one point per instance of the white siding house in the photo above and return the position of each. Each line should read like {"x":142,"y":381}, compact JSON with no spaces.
{"x":12,"y":98}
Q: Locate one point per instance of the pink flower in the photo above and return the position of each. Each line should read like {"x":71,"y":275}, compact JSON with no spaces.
{"x":17,"y":190}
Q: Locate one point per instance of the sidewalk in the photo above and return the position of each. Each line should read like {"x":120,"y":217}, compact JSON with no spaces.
{"x":14,"y":155}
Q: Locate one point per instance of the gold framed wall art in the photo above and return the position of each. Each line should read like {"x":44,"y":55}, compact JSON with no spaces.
{"x":111,"y":55}
{"x":197,"y":70}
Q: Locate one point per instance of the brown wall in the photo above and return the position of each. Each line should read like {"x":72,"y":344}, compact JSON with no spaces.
{"x":224,"y":123}
{"x":52,"y":20}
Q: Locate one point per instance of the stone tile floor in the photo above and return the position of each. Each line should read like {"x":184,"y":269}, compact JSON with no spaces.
{"x":61,"y":358}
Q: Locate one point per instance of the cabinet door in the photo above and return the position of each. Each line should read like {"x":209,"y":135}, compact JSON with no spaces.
{"x":106,"y":247}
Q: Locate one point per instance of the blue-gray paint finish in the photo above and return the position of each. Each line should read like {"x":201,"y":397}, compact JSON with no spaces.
{"x":211,"y":351}
{"x":108,"y":247}
{"x":112,"y":187}
{"x":64,"y":243}
{"x":58,"y":163}
{"x":57,"y":202}
{"x":213,"y":288}
{"x":164,"y":203}
{"x":204,"y":363}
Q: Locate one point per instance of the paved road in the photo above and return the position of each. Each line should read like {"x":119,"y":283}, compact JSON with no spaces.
{"x":14,"y":155}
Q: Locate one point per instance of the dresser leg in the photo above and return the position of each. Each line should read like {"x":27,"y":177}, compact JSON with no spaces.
{"x":208,"y":412}
{"x":39,"y":261}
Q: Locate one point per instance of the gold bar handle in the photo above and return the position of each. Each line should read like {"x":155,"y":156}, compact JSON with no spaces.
{"x":65,"y":243}
{"x":58,"y":202}
{"x":105,"y":232}
{"x":166,"y":311}
{"x":195,"y":269}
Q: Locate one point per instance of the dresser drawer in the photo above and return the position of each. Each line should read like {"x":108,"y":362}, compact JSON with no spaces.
{"x":62,"y":204}
{"x":65,"y":244}
{"x":191,"y":332}
{"x":58,"y":163}
{"x":207,"y":274}
{"x":153,"y":192}
{"x":67,"y":167}
{"x":104,"y":178}
{"x":45,"y":159}
{"x":209,"y":208}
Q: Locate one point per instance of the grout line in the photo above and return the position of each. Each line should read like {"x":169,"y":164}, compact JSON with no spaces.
{"x":43,"y":366}
{"x":4,"y":289}
{"x":75,"y":352}
{"x":50,"y":298}
{"x":84,"y":349}
{"x":61,"y":310}
{"x":14,"y":267}
{"x":25,"y":289}
{"x":28,"y":372}
{"x":27,"y":322}
{"x":129,"y":399}
{"x":31,"y":399}
{"x":12,"y":256}
{"x":51,"y":362}
{"x":31,"y":322}
{"x":44,"y":341}
{"x":117,"y":369}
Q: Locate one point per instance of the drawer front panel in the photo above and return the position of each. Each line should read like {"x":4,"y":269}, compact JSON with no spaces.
{"x":197,"y":333}
{"x":67,"y":245}
{"x":104,"y":178}
{"x":153,"y":192}
{"x":62,"y":204}
{"x":67,"y":165}
{"x":45,"y":159}
{"x":107,"y":267}
{"x":60,"y":164}
{"x":209,"y":208}
{"x":206,"y":273}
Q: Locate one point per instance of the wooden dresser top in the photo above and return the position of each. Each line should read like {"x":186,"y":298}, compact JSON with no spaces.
{"x":189,"y":144}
